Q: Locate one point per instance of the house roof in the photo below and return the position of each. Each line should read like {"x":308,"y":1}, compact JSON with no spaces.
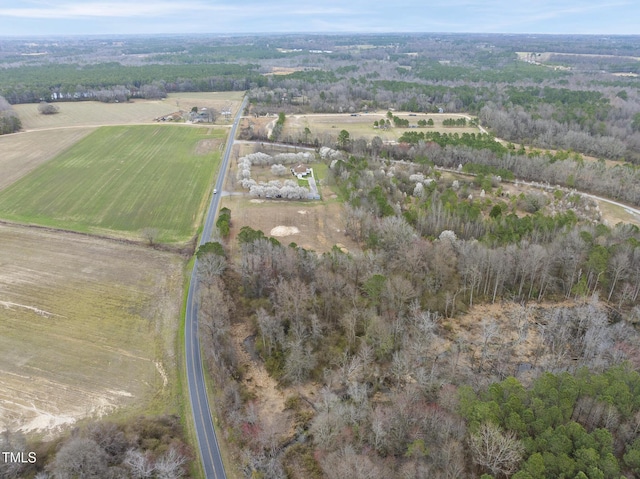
{"x":300,"y":168}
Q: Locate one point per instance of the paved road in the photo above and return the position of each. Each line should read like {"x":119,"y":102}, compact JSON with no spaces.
{"x":205,"y":432}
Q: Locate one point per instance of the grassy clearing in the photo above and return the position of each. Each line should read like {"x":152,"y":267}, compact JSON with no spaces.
{"x":23,"y":152}
{"x":319,"y":223}
{"x":92,"y":113}
{"x":361,"y":126}
{"x":122,"y":179}
{"x":206,"y":99}
{"x":614,"y":214}
{"x":87,"y":327}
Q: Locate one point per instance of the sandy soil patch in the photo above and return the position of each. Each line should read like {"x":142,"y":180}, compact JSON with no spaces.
{"x":270,"y":399}
{"x":87,"y":327}
{"x":319,"y":229}
{"x":279,"y":231}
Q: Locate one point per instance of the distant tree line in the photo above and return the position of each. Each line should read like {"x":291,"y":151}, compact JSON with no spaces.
{"x":9,"y":121}
{"x":589,"y":112}
{"x":112,"y":81}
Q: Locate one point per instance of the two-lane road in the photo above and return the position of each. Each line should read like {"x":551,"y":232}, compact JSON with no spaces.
{"x":205,"y":431}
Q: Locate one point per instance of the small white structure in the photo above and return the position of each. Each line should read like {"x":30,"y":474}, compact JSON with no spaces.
{"x":300,"y":170}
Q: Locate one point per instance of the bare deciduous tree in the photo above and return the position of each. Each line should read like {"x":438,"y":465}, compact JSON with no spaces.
{"x":170,"y":465}
{"x":497,"y":452}
{"x":139,"y":464}
{"x":80,"y":458}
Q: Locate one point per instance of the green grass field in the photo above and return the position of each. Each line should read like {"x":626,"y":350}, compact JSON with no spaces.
{"x":328,"y":126}
{"x":122,"y":179}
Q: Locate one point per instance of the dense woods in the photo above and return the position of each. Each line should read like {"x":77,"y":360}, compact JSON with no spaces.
{"x":141,"y":448}
{"x":398,"y":374}
{"x":406,"y":387}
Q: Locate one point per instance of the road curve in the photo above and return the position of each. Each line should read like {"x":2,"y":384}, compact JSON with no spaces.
{"x":205,"y":432}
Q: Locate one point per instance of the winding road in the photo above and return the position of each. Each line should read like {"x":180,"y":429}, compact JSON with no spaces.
{"x":203,"y":421}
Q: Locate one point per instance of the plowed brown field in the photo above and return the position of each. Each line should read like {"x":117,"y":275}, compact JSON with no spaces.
{"x":87,"y":326}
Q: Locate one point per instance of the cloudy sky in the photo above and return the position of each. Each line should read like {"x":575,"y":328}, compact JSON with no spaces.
{"x":47,"y":17}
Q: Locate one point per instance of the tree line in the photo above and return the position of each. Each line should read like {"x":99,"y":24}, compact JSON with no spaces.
{"x":9,"y":120}
{"x":144,"y":447}
{"x":590,"y":112}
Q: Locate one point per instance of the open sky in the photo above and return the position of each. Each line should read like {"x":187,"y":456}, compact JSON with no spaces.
{"x":58,"y":17}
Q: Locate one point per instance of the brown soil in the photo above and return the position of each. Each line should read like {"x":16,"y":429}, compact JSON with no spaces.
{"x":270,"y":399}
{"x":319,"y":224}
{"x":87,"y":327}
{"x":23,"y":152}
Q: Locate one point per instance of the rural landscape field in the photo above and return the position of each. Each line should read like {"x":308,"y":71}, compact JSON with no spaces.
{"x":398,"y":256}
{"x":122,"y":179}
{"x":90,"y":312}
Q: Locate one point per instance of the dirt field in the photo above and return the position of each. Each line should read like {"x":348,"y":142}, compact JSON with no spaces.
{"x":87,"y":327}
{"x":23,"y":152}
{"x":314,"y":225}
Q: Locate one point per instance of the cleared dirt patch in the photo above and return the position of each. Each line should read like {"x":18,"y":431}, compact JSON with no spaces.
{"x":86,"y":327}
{"x":205,"y":147}
{"x":279,"y":231}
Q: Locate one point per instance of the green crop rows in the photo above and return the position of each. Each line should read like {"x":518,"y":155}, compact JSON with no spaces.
{"x":123,"y":179}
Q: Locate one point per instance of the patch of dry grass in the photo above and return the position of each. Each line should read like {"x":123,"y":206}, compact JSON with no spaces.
{"x":328,"y":126}
{"x":86,"y":327}
{"x":93,"y":113}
